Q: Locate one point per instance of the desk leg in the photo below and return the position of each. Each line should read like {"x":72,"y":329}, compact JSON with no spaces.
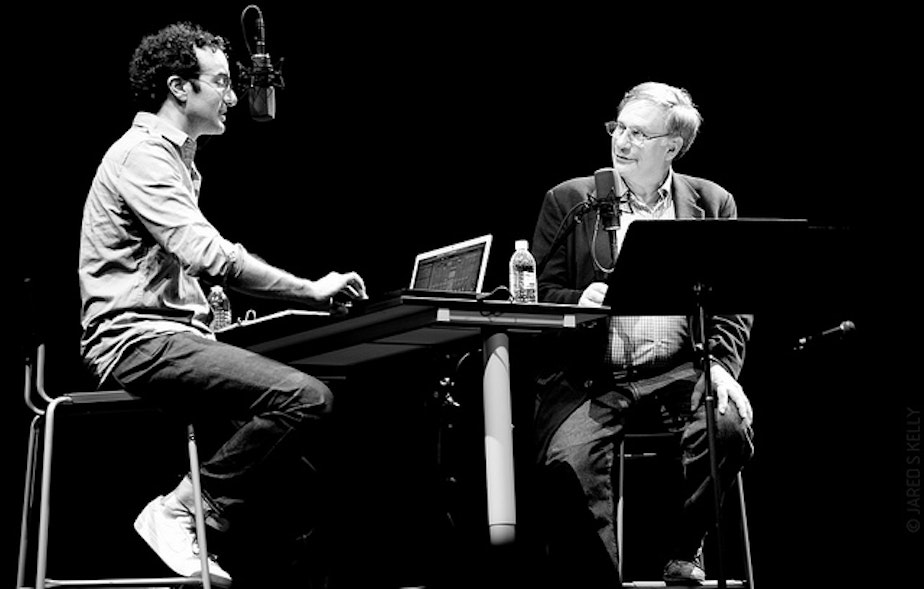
{"x":498,"y":438}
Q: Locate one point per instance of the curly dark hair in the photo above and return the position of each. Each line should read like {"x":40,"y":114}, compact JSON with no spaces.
{"x":170,"y":51}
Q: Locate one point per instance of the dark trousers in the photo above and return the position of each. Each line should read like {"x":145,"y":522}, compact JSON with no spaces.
{"x":261,"y":422}
{"x":579,"y":464}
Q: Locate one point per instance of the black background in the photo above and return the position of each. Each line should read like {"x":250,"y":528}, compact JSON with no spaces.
{"x":401,"y":130}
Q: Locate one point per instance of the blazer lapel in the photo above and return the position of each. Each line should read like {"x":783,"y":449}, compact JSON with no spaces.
{"x":686,"y":199}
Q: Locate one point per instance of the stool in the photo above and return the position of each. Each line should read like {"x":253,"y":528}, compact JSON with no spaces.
{"x":650,"y":438}
{"x":44,"y":419}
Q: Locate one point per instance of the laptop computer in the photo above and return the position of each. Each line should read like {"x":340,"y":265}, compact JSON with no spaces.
{"x":457,"y":269}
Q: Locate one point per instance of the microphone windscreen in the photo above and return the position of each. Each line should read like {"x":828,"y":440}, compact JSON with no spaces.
{"x":607,"y":189}
{"x":605,"y":183}
{"x":262,"y":103}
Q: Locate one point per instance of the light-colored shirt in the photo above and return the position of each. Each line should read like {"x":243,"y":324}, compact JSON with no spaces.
{"x":143,"y":243}
{"x":646,"y":341}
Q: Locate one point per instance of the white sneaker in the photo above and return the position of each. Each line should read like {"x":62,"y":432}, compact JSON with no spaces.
{"x":169,"y":528}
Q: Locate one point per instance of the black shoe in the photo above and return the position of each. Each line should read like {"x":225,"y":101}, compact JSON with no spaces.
{"x":685,"y":572}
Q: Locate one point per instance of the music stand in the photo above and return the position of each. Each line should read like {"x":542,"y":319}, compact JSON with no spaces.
{"x":704,"y":267}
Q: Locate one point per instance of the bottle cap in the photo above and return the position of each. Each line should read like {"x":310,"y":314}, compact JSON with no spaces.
{"x":521,"y":244}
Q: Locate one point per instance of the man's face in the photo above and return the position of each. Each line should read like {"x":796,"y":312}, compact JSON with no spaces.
{"x":644,"y":158}
{"x":206,"y":108}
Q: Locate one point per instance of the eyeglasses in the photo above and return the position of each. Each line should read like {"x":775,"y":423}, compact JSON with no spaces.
{"x":222,"y":84}
{"x":637,"y":137}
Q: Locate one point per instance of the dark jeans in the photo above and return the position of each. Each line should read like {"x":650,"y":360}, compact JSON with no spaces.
{"x":580,"y":460}
{"x":261,"y":415}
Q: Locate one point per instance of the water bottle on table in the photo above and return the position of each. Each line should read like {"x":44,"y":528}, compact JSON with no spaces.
{"x":523,"y":282}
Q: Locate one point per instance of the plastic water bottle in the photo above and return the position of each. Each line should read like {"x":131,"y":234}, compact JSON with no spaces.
{"x":221,"y":308}
{"x":523,"y":274}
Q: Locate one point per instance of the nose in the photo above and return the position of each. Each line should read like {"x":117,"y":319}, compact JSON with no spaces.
{"x":621,"y":139}
{"x":230,"y":97}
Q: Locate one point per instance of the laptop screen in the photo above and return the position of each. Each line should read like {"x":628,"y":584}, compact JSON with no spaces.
{"x":459,"y":267}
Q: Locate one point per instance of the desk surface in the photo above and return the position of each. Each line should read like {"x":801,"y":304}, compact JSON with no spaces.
{"x":403,"y":324}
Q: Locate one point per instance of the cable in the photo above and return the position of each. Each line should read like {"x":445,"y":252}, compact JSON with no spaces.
{"x":244,"y":28}
{"x":593,"y":248}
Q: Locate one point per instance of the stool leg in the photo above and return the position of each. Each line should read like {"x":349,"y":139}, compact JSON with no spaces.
{"x":41,"y":563}
{"x":619,"y":511}
{"x":197,"y":499}
{"x":28,"y":496}
{"x":745,"y":535}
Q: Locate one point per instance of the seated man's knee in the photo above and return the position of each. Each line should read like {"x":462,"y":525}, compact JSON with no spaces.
{"x":733,"y":433}
{"x":312,"y":394}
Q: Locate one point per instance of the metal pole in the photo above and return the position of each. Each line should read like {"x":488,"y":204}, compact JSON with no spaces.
{"x":709,"y":401}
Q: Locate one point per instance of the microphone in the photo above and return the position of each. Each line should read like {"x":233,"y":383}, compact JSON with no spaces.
{"x":263,"y":78}
{"x":843,"y":329}
{"x":607,"y":181}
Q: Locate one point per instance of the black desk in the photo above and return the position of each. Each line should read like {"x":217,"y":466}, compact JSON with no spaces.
{"x":318,"y":341}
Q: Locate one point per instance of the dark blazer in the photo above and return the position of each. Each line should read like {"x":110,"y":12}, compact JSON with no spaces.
{"x":569,"y":367}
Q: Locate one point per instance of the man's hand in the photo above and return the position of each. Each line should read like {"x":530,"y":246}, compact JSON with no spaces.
{"x":593,"y":295}
{"x":349,"y":285}
{"x":725,"y":387}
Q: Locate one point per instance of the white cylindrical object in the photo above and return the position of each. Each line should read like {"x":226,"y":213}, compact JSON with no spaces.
{"x":498,"y":439}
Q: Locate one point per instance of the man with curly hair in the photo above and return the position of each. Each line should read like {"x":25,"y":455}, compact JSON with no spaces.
{"x":144,"y":247}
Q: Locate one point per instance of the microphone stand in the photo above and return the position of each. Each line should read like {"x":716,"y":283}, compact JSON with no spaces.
{"x":701,"y":347}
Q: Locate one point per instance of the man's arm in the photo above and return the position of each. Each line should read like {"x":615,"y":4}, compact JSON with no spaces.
{"x":256,"y":277}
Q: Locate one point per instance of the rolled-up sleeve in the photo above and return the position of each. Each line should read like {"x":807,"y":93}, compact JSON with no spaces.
{"x":154,"y":188}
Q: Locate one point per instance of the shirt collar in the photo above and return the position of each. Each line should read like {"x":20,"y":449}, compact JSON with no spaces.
{"x":629,"y":199}
{"x":156,"y":125}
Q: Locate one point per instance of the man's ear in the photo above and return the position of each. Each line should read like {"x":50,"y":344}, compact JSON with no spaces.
{"x":676,"y":143}
{"x":177,"y":87}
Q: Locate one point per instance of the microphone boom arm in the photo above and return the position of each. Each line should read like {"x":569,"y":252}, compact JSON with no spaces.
{"x":571,"y":220}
